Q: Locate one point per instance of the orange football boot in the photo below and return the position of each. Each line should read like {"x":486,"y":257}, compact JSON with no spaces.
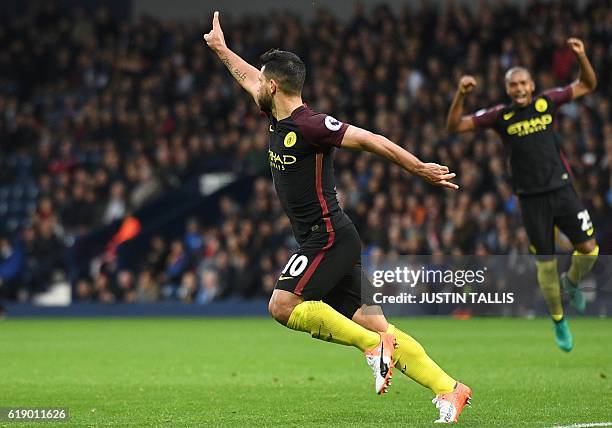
{"x":452,"y":403}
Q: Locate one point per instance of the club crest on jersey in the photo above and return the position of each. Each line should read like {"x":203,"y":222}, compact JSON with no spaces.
{"x":541,"y":105}
{"x":332,"y":123}
{"x":290,"y":139}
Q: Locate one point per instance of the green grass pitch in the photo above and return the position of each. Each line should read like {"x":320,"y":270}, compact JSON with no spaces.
{"x":253,"y":372}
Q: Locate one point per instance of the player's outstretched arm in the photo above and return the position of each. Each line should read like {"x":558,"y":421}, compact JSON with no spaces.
{"x":586,"y":81}
{"x":244,"y":73}
{"x":360,"y":139}
{"x":456,"y":121}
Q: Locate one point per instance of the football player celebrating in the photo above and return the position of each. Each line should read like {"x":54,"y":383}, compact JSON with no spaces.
{"x":319,"y":290}
{"x":541,"y":178}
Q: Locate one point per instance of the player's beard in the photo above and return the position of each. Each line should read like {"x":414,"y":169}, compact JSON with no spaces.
{"x":264,"y":100}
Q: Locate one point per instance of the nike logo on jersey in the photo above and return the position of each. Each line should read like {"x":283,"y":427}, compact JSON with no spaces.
{"x":282,"y":278}
{"x":271,"y":129}
{"x":508,"y":115}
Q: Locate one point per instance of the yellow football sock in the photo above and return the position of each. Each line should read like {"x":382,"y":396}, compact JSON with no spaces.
{"x":548,"y":278}
{"x":411,"y":359}
{"x":324,"y":323}
{"x":582,"y":264}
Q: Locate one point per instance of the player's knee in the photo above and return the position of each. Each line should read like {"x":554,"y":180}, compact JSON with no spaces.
{"x":586,"y":247}
{"x":280,"y":312}
{"x":280,"y":309}
{"x":274,"y":308}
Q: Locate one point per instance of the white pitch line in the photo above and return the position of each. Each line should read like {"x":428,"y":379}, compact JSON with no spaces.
{"x":586,"y":425}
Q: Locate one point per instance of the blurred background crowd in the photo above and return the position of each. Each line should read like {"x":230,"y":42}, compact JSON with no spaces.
{"x":98,"y":117}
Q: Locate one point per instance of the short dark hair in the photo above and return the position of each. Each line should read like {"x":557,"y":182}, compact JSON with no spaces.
{"x":513,"y":70}
{"x":286,"y":68}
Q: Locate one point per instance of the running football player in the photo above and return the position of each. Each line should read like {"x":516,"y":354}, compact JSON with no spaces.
{"x":319,"y":290}
{"x":541,"y":177}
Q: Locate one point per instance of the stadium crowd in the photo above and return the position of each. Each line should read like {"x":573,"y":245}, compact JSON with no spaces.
{"x":98,"y":117}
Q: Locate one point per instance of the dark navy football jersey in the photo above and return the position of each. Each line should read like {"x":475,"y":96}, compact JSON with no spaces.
{"x":301,"y":156}
{"x":536,"y":161}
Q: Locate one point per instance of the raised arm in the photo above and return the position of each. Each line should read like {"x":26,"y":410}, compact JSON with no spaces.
{"x":244,"y":73}
{"x":586,"y":81}
{"x":456,"y":121}
{"x":359,"y":139}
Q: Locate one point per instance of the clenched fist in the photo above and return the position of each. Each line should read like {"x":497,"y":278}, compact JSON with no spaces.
{"x":576,"y":45}
{"x":466,"y":84}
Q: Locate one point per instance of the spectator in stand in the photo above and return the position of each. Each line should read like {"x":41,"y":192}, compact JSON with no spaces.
{"x":209,"y":287}
{"x":83,"y":291}
{"x":147,"y":288}
{"x":11,"y":264}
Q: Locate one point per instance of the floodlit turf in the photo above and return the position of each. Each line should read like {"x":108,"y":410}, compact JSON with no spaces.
{"x":253,"y":372}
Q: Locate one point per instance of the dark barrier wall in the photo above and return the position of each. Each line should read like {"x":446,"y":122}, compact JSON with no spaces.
{"x":166,"y":216}
{"x":228,"y":308}
{"x":233,"y":308}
